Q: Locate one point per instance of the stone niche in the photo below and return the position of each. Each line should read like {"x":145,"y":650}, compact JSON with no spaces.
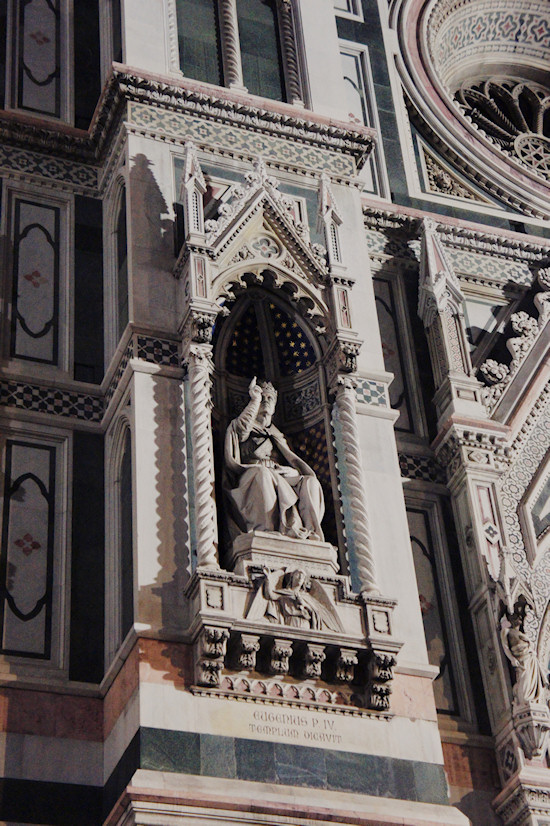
{"x":278,"y":620}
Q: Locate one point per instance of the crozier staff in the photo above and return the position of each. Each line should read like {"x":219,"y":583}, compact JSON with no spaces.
{"x":269,"y":487}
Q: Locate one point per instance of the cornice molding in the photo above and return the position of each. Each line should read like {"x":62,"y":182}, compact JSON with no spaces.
{"x":474,"y":238}
{"x":183,"y":96}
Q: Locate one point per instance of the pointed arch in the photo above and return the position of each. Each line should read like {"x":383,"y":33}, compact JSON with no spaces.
{"x":264,"y":334}
{"x":120,"y":536}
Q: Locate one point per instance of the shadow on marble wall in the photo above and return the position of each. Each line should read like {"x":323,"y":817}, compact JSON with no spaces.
{"x":153,"y":285}
{"x":171,"y":506}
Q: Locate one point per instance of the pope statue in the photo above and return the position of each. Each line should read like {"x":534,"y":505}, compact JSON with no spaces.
{"x":269,"y":487}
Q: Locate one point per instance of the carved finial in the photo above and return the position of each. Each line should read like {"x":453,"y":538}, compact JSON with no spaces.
{"x":191,"y":168}
{"x":439,"y":286}
{"x":260,"y":175}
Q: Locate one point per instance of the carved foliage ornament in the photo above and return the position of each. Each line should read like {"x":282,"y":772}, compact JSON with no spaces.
{"x":528,"y":329}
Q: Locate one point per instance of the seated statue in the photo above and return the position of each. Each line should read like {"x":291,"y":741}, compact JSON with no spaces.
{"x":268,"y":486}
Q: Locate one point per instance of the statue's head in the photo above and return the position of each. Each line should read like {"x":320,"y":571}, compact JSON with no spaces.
{"x":296,"y":579}
{"x":268,"y":402}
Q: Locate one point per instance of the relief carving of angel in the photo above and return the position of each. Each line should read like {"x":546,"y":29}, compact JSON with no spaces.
{"x":292,"y":598}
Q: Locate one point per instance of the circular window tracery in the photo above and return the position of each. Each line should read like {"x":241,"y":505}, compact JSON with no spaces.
{"x":515,"y":115}
{"x":448,"y":47}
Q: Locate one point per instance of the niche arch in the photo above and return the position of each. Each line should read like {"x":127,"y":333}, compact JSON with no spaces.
{"x":117,"y":294}
{"x":119,"y":572}
{"x":272,"y":333}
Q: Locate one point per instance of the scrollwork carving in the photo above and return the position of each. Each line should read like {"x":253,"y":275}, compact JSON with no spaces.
{"x":249,"y":645}
{"x":380,"y":676}
{"x":212,"y":646}
{"x":281,"y":652}
{"x":345,"y":665}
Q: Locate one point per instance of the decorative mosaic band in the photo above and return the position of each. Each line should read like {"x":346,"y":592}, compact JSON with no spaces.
{"x":158,"y":350}
{"x":421,"y":467}
{"x":48,"y":168}
{"x":372,"y":392}
{"x":85,"y":406}
{"x":50,"y":400}
{"x":119,"y":372}
{"x":185,"y":127}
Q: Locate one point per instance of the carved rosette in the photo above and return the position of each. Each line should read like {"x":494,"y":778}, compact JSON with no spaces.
{"x":199,"y":368}
{"x":347,"y":414}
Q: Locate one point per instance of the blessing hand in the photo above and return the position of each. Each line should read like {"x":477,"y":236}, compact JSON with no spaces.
{"x":254,"y":391}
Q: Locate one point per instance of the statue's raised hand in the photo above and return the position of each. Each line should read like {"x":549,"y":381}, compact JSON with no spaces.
{"x":254,"y":390}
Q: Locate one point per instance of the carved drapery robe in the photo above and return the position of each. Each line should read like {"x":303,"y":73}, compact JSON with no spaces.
{"x":269,"y":487}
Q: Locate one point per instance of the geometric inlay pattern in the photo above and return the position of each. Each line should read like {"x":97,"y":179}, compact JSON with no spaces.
{"x":86,"y":406}
{"x":119,"y":372}
{"x":49,"y":400}
{"x":421,"y":467}
{"x":371,"y":392}
{"x":158,"y":351}
{"x":51,"y":169}
{"x":490,"y":267}
{"x":240,"y":141}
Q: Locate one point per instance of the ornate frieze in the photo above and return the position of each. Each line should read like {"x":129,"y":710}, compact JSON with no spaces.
{"x":183,"y":111}
{"x":288,"y":639}
{"x":188,"y":97}
{"x":491,"y":245}
{"x":522,"y":800}
{"x":77,"y":177}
